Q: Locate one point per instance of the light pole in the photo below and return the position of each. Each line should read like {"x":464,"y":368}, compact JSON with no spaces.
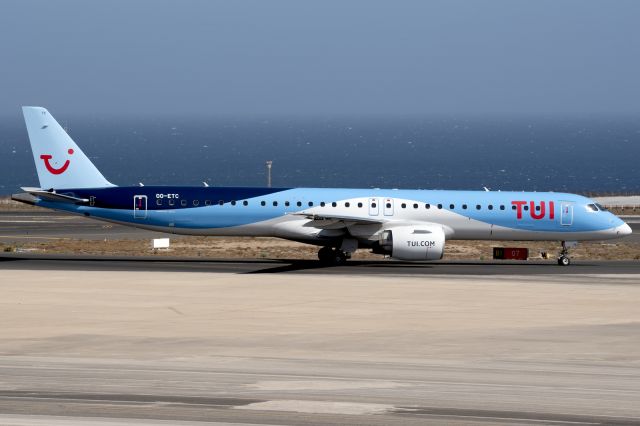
{"x":269,"y":163}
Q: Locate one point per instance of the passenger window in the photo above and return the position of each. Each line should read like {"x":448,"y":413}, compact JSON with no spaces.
{"x":334,"y":204}
{"x":464,"y":207}
{"x":183,"y":203}
{"x":452,"y":206}
{"x":415,"y":205}
{"x":286,"y":204}
{"x":347,"y":204}
{"x":490,"y":206}
{"x":159,"y":201}
{"x":403,"y":205}
{"x":263,"y":203}
{"x":513,"y":207}
{"x":299,"y":203}
{"x":171,"y":201}
{"x":310,"y":203}
{"x":196,"y":202}
{"x":427,"y":206}
{"x":388,"y":205}
{"x":501,"y":206}
{"x":537,"y":208}
{"x":207,"y":202}
{"x":478,"y":207}
{"x":233,"y":203}
{"x":322,"y":204}
{"x":221,"y":202}
{"x":245,"y":203}
{"x":275,"y":204}
{"x":439,"y":206}
{"x":360,"y":205}
{"x":374,"y":205}
{"x":526,"y":208}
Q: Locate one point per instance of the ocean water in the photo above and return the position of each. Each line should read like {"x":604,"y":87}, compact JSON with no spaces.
{"x":536,"y":154}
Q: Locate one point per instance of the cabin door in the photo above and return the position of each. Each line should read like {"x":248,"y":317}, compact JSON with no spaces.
{"x":139,"y":206}
{"x":566,"y":214}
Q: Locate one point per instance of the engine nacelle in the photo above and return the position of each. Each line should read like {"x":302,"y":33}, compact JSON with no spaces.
{"x":419,"y":242}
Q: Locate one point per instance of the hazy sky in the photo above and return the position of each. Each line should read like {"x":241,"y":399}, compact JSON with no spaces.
{"x":321,"y":57}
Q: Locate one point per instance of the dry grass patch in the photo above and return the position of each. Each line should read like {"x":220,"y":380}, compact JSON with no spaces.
{"x":274,"y":248}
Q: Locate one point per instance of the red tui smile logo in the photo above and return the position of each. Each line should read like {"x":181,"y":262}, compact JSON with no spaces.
{"x":53,"y":170}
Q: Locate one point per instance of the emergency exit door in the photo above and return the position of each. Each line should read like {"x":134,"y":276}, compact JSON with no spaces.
{"x":388,"y":206}
{"x":139,"y":206}
{"x":374,"y":207}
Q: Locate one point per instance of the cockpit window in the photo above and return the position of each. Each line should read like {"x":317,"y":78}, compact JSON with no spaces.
{"x":601,"y":207}
{"x":592,"y":208}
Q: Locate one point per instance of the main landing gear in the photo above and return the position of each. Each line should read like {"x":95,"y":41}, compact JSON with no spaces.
{"x":563,"y":258}
{"x":333,"y":256}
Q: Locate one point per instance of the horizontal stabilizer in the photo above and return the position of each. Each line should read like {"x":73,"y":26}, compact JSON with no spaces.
{"x":51,"y":195}
{"x":24,"y":197}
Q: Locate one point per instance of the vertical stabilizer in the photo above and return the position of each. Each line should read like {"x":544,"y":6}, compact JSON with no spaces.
{"x":59,"y":161}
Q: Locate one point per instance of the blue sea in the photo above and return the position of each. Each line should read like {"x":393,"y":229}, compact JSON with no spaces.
{"x":586,"y":155}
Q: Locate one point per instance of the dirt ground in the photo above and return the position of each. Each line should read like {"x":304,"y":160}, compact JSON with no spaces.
{"x":273,"y":248}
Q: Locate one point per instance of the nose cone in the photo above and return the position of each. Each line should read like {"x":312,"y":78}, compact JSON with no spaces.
{"x":624,"y":230}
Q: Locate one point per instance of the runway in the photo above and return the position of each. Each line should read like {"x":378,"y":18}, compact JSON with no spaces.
{"x":78,"y":346}
{"x":435,"y":386}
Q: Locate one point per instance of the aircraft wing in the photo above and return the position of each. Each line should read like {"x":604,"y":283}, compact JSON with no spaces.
{"x":336,"y":221}
{"x":51,"y":195}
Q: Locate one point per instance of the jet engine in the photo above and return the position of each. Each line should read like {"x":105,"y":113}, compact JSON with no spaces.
{"x":419,"y":242}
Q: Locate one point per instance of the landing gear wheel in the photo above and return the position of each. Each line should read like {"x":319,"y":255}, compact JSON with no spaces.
{"x":563,"y":259}
{"x":325,"y":254}
{"x":332,"y":256}
{"x":339,"y":258}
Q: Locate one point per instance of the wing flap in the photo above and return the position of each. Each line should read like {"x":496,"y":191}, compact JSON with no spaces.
{"x":336,"y":221}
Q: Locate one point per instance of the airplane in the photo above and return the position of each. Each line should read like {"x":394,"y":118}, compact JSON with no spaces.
{"x":410,"y":225}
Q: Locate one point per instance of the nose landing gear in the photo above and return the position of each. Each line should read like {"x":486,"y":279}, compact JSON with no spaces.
{"x":563,"y":258}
